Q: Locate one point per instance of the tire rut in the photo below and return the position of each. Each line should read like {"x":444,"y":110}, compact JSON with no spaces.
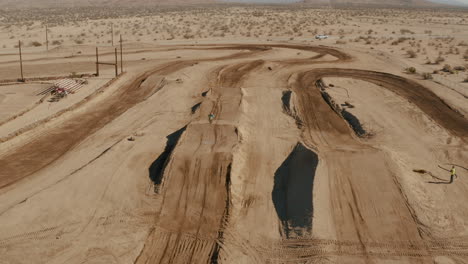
{"x":196,"y":192}
{"x":62,"y":138}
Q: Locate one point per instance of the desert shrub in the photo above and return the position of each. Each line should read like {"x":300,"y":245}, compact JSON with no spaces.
{"x":459,"y":68}
{"x":56,"y":42}
{"x":78,"y":41}
{"x":427,"y":76}
{"x":404,"y":31}
{"x":411,"y":70}
{"x":411,"y":53}
{"x":448,"y":68}
{"x":341,"y":42}
{"x":402,"y":39}
{"x":36,"y":44}
{"x":465,"y":56}
{"x":439,"y":60}
{"x":466,"y":79}
{"x":74,"y":75}
{"x":257,"y":14}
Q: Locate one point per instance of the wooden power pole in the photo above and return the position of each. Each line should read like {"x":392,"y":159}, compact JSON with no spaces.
{"x":116,"y":64}
{"x":97,"y":62}
{"x":47,"y":37}
{"x":112,"y":34}
{"x":21,"y":60}
{"x":121,"y":54}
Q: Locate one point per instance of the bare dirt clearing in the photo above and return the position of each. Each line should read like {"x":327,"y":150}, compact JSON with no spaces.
{"x":235,"y":152}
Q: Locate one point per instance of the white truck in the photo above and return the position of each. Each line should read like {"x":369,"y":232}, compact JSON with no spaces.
{"x":321,"y":36}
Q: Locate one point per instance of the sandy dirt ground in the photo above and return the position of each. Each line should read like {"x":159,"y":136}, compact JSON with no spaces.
{"x":312,"y":154}
{"x":14,"y":99}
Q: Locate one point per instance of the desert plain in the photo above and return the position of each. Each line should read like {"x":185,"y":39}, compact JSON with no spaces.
{"x":232,"y":135}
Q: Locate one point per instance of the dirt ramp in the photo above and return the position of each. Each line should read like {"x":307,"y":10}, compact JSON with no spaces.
{"x":156,"y":170}
{"x":321,"y":124}
{"x":292,"y":192}
{"x":417,"y":94}
{"x":30,"y":157}
{"x":195,"y":196}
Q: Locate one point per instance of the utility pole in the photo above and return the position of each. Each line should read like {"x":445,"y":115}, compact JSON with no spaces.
{"x":47,"y":38}
{"x":97,"y":62}
{"x":116,"y":64}
{"x":121,"y":54}
{"x":112,"y":33}
{"x":21,"y":60}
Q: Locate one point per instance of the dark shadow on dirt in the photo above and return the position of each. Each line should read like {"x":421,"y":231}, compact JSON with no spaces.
{"x":354,"y":122}
{"x":156,"y":170}
{"x":351,"y":119}
{"x":335,"y":107}
{"x":286,"y":98}
{"x":195,"y":108}
{"x":448,"y":182}
{"x":292,"y":191}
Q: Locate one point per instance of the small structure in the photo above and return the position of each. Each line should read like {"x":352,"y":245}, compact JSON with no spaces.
{"x":63,"y":87}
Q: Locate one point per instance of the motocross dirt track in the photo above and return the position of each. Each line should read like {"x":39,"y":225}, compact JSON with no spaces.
{"x":272,"y":179}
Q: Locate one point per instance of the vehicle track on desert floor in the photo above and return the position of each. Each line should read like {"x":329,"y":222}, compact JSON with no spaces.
{"x":196,"y":183}
{"x":209,"y":179}
{"x":353,"y":167}
{"x":417,"y":94}
{"x":131,"y":94}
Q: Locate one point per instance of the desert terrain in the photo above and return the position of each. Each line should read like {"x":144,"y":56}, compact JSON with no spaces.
{"x":231,"y":135}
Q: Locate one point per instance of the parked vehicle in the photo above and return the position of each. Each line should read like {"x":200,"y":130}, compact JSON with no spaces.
{"x":321,"y":36}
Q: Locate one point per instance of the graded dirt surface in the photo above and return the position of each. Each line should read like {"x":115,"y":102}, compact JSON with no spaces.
{"x":308,"y":158}
{"x":15,"y":99}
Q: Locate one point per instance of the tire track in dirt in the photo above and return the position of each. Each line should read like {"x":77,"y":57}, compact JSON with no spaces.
{"x":181,"y":47}
{"x":353,"y":171}
{"x":197,"y":179}
{"x":195,"y":189}
{"x":417,"y":94}
{"x":29,"y":158}
{"x":353,"y":167}
{"x":290,"y":249}
{"x":126,"y":97}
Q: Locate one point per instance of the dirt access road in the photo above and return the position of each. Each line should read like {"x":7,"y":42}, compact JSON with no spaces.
{"x":280,"y":175}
